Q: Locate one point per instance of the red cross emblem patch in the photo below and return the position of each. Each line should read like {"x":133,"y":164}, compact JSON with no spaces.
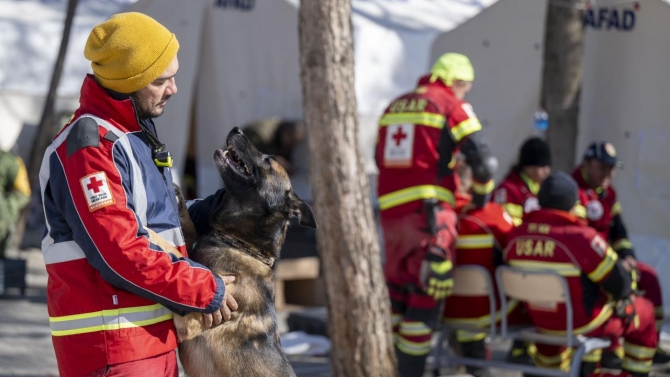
{"x":96,"y":191}
{"x":399,"y":145}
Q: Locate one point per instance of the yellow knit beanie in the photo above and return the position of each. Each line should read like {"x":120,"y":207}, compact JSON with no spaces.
{"x":129,"y":51}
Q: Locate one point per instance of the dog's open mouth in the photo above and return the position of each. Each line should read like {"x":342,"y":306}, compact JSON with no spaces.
{"x":235,"y":161}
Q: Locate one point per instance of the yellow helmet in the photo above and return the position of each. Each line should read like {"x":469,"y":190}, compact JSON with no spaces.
{"x":452,"y":66}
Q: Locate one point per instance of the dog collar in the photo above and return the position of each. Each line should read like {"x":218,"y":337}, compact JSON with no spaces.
{"x":243,"y":246}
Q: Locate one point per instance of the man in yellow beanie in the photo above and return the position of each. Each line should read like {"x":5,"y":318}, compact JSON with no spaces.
{"x":420,"y":134}
{"x":115,"y":252}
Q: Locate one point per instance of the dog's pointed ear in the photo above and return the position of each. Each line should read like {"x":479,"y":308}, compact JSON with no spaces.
{"x":298,"y":208}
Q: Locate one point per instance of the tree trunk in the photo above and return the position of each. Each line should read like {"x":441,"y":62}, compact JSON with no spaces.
{"x":358,"y":304}
{"x":47,"y":128}
{"x":562,"y":78}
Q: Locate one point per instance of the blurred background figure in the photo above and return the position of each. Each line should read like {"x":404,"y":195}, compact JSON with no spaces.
{"x":14,"y":195}
{"x":277,"y":137}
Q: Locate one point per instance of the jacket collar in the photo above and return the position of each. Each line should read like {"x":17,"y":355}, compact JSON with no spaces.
{"x":96,"y":100}
{"x":554,"y":216}
{"x":427,"y":82}
{"x":582,"y":179}
{"x":533,"y":186}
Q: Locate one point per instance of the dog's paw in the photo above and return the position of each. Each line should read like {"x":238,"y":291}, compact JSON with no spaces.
{"x":188,"y":326}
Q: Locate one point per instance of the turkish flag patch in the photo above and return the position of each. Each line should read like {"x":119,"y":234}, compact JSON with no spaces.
{"x":96,"y":191}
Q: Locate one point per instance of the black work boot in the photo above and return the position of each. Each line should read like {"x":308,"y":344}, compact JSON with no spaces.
{"x":410,"y":365}
{"x":518,"y":354}
{"x":476,"y":350}
{"x":661,"y":356}
{"x":610,"y":360}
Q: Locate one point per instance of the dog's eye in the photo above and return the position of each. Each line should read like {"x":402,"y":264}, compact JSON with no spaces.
{"x":267,"y":160}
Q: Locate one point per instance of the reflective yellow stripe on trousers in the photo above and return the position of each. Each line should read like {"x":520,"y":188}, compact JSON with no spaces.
{"x":106,"y":320}
{"x":410,"y":194}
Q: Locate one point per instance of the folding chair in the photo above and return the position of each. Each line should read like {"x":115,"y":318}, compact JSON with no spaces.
{"x":469,"y":281}
{"x":544,"y":286}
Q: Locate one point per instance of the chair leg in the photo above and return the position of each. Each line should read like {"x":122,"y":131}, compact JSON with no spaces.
{"x":437,"y":351}
{"x":576,"y":365}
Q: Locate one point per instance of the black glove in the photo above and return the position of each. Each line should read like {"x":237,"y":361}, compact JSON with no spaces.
{"x":625,"y":310}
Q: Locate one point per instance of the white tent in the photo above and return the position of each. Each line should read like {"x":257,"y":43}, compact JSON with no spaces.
{"x":30,"y":34}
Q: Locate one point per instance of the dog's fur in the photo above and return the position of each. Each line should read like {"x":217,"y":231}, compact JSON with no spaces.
{"x":249,"y":228}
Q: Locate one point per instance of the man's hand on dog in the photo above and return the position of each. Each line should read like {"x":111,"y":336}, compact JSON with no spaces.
{"x":229,"y":305}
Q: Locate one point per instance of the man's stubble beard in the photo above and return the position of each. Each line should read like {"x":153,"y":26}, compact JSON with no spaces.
{"x":141,"y":113}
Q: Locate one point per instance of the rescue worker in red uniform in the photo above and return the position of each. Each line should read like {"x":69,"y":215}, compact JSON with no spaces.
{"x":517,"y":193}
{"x":481,"y":236}
{"x":598,"y":204}
{"x":114,"y":248}
{"x":603,"y":301}
{"x":419,"y":136}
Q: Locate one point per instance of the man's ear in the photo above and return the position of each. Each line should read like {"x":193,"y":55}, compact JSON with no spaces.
{"x":298,"y":208}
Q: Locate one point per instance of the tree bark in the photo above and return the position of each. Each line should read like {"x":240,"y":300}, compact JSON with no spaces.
{"x":47,"y":129}
{"x":562,"y":78}
{"x":358,"y":304}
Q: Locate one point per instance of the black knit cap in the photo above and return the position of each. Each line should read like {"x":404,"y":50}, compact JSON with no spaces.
{"x":535,"y":152}
{"x":558,"y":191}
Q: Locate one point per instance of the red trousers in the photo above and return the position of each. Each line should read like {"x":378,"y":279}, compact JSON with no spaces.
{"x":640,"y":341}
{"x":651,"y":286}
{"x":164,"y":365}
{"x":649,"y":283}
{"x":406,"y":241}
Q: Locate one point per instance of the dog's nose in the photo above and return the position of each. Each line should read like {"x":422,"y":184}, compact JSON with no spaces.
{"x":237,"y":130}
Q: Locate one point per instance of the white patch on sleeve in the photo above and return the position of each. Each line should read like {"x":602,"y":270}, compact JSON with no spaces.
{"x":96,"y":191}
{"x":500,"y":196}
{"x":399,"y":145}
{"x":469,"y":110}
{"x":594,"y":210}
{"x":531,"y":204}
{"x":599,"y":245}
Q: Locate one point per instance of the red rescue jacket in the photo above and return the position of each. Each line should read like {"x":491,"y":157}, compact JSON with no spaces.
{"x":558,"y":241}
{"x":407,"y":153}
{"x":111,"y":292}
{"x":517,"y":193}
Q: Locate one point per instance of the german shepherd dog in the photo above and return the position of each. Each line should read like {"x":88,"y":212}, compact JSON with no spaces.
{"x":250,"y":224}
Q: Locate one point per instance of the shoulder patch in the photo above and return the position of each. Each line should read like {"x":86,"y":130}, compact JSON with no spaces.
{"x":500,"y":196}
{"x":110,"y":136}
{"x":469,"y":110}
{"x":84,"y":133}
{"x":599,"y":245}
{"x":96,"y":190}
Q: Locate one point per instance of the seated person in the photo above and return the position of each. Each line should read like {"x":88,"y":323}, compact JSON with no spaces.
{"x":480,"y":242}
{"x":598,"y":204}
{"x":517,"y":193}
{"x":604,"y":304}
